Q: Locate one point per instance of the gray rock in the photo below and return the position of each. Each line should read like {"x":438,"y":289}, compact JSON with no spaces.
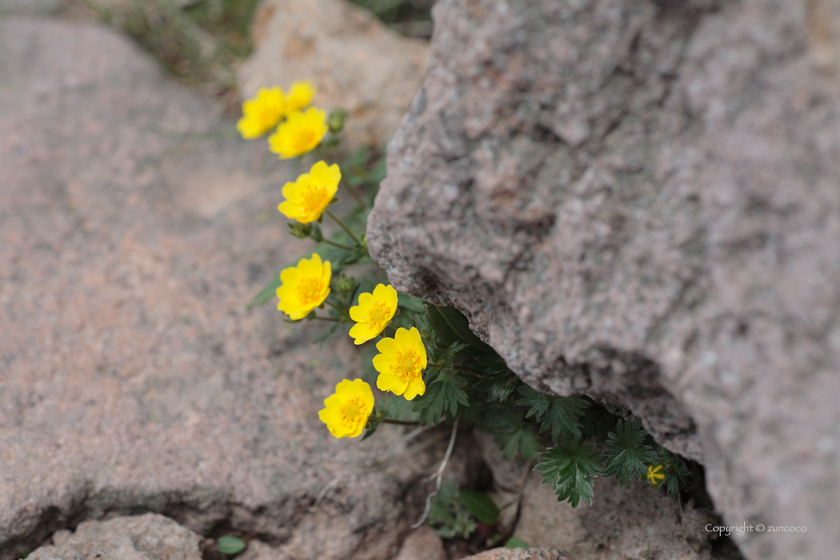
{"x":146,"y":537}
{"x":134,"y":228}
{"x":637,"y":200}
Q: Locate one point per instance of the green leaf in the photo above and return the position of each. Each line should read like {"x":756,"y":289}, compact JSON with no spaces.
{"x":410,"y":303}
{"x":515,"y":542}
{"x":512,"y":433}
{"x":677,"y":477}
{"x":560,"y":414}
{"x":448,"y":513}
{"x":398,"y":408}
{"x":627,"y":455}
{"x":443,"y":395}
{"x":451,"y":326}
{"x":230,"y":545}
{"x":268,"y":292}
{"x":569,"y":469}
{"x":328,"y":332}
{"x":480,"y":505}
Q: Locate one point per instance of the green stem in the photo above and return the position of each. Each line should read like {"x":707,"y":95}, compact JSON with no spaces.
{"x":358,"y":200}
{"x":466,"y":370}
{"x":339,"y":245}
{"x":342,"y":312}
{"x":331,"y":319}
{"x":336,"y":220}
{"x":401,"y":422}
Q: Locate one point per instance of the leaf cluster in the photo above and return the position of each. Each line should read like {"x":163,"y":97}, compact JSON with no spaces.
{"x":448,"y":514}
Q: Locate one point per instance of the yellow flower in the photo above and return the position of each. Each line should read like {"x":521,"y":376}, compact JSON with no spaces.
{"x":310,"y":195}
{"x":373,"y":313}
{"x":347,"y":409}
{"x":262,"y":113}
{"x":300,"y":95}
{"x":304,"y":287}
{"x":300,"y":133}
{"x":655,"y":474}
{"x":401,"y":364}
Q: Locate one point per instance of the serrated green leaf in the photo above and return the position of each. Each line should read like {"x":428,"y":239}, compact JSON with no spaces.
{"x":512,"y":433}
{"x":628,"y":456}
{"x":448,"y":514}
{"x":516,"y":542}
{"x":445,"y":394}
{"x":677,"y":477}
{"x":230,"y":545}
{"x":480,"y":505}
{"x":570,"y":468}
{"x":561,"y":415}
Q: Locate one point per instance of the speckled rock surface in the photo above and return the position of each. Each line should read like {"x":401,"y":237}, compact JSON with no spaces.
{"x":520,"y":554}
{"x":356,"y":63}
{"x":145,"y":537}
{"x":637,"y":200}
{"x":133,"y":231}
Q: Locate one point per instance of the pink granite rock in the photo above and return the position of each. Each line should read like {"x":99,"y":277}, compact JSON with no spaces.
{"x":638,"y":200}
{"x":134,"y":228}
{"x":145,"y":537}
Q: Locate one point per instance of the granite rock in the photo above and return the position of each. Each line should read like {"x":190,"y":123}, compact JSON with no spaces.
{"x":637,"y":200}
{"x":145,"y":537}
{"x":356,"y":63}
{"x":134,"y":228}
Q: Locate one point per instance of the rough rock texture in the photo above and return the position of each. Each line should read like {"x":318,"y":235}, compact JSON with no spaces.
{"x":638,"y":200}
{"x":146,"y":537}
{"x":422,"y":544}
{"x":519,"y":554}
{"x":356,"y":63}
{"x":133,"y":231}
{"x":620,"y":523}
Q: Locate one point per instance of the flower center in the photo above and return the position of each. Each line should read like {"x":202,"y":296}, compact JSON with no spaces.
{"x":315,"y":197}
{"x":352,"y":412}
{"x":309,"y":290}
{"x":407,"y":365}
{"x":377,"y":316}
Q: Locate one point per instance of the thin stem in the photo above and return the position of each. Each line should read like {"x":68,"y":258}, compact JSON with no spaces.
{"x":339,"y":245}
{"x":438,"y":476}
{"x":331,"y":319}
{"x":466,"y":370}
{"x":358,"y":200}
{"x":336,"y":220}
{"x":401,"y":422}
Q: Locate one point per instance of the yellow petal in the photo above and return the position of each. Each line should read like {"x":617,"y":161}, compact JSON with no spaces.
{"x":387,"y":346}
{"x":415,"y":387}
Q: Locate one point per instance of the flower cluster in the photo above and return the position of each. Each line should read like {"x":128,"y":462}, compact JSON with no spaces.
{"x":435,"y":368}
{"x":299,"y":133}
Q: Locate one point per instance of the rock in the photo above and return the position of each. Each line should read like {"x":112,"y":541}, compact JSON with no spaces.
{"x":637,"y":200}
{"x":146,"y":537}
{"x":134,"y":228}
{"x":422,"y":544}
{"x":356,"y":63}
{"x":30,"y":7}
{"x":519,"y":554}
